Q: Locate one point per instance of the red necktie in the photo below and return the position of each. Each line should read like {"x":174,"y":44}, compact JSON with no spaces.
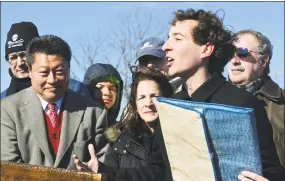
{"x":52,"y":113}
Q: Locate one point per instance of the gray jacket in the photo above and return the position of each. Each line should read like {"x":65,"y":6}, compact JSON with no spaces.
{"x":24,"y":134}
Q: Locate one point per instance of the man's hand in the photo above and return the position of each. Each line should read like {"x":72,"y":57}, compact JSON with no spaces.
{"x":92,"y":165}
{"x":250,"y":176}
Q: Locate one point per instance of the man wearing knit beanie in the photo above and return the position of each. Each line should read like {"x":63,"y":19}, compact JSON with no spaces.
{"x":18,"y":37}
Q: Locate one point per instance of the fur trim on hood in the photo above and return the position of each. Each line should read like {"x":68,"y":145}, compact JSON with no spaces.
{"x":113,"y":133}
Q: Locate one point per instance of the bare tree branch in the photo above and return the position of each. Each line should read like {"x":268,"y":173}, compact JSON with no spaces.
{"x":137,"y":27}
{"x":122,"y":42}
{"x":91,"y":48}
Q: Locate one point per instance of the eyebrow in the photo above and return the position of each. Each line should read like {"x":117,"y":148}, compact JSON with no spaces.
{"x":55,"y":68}
{"x":175,"y":34}
{"x":152,"y":94}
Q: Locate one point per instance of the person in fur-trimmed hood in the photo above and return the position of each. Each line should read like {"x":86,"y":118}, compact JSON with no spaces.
{"x":106,"y":86}
{"x":135,"y":149}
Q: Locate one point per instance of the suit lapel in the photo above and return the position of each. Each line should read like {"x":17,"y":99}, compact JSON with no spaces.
{"x":71,"y":120}
{"x":33,"y":113}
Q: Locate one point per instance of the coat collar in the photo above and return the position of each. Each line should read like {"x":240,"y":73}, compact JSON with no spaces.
{"x":271,"y":90}
{"x":205,"y":91}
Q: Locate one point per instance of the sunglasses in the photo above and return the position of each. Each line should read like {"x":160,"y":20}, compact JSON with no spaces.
{"x":244,"y":52}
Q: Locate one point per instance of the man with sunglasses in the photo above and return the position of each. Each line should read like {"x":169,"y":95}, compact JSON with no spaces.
{"x":18,"y":37}
{"x":249,"y":70}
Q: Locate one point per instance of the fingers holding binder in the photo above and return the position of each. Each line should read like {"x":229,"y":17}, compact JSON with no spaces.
{"x":250,"y":176}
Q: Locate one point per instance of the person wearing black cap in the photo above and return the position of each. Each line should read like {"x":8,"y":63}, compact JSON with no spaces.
{"x":18,"y":37}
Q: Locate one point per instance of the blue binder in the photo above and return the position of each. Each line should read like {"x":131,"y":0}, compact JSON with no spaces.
{"x":231,"y":137}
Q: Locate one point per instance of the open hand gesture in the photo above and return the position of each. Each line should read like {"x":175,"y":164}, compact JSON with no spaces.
{"x":91,"y":165}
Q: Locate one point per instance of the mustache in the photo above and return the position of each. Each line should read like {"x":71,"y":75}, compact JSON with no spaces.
{"x":23,"y":66}
{"x":238,"y":67}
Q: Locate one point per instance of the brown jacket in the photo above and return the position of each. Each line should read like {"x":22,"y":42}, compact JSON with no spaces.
{"x":274,"y":98}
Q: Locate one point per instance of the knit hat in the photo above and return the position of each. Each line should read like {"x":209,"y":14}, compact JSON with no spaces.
{"x":18,"y":37}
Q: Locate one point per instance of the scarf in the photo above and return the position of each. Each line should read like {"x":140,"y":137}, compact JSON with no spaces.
{"x":17,"y":84}
{"x":254,"y":86}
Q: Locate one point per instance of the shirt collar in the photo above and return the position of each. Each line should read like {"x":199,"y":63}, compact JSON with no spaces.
{"x":45,"y":103}
{"x":206,"y":90}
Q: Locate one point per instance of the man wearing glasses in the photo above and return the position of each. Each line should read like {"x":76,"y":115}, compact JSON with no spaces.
{"x":18,"y":37}
{"x":249,"y":70}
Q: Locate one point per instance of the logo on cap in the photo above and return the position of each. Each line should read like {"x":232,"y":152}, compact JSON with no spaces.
{"x":15,"y":42}
{"x":14,"y":37}
{"x":146,"y":45}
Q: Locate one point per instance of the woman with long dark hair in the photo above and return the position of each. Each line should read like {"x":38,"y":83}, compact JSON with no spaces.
{"x":134,"y":151}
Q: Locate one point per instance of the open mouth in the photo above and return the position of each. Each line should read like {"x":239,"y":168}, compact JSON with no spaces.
{"x":169,"y":61}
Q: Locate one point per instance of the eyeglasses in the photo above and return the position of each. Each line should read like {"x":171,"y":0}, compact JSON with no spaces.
{"x":14,"y":57}
{"x":244,"y":52}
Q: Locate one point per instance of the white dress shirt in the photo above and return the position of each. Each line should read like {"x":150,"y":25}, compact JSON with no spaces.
{"x":45,"y":103}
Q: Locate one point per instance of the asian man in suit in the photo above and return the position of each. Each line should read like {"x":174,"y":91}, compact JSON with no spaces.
{"x":47,"y":123}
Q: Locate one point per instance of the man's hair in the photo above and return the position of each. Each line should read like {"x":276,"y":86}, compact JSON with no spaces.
{"x":131,"y":120}
{"x":210,"y":30}
{"x":49,"y":45}
{"x":265,"y":47}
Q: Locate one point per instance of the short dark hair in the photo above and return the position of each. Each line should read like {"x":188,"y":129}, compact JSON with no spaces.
{"x":210,"y":30}
{"x":49,"y":45}
{"x":264,"y":47}
{"x":131,"y":119}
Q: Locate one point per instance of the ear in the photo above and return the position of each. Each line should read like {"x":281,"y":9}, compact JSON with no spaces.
{"x":67,"y":77}
{"x":30,"y":71}
{"x":207,"y":50}
{"x":265,"y":61}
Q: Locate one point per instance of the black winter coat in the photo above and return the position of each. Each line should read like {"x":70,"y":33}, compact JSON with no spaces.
{"x":134,"y":158}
